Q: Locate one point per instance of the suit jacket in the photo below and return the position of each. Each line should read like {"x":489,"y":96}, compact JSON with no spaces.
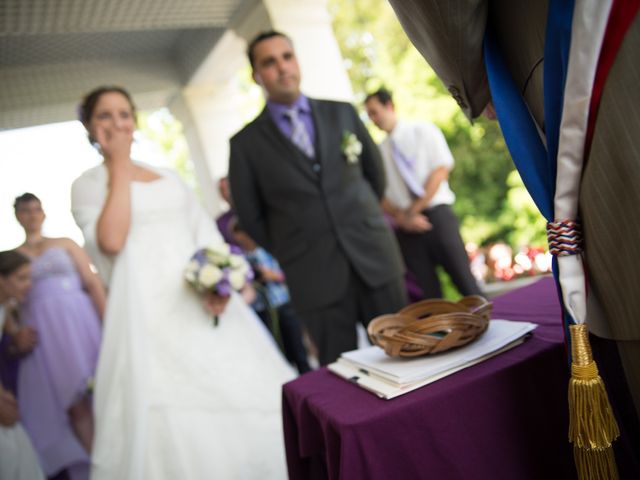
{"x":450,"y":39}
{"x":320,"y":218}
{"x":449,"y":36}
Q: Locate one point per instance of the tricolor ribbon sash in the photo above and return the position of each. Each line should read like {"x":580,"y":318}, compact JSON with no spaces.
{"x":551,"y":170}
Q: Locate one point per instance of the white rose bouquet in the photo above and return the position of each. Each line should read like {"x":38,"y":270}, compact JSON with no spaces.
{"x":219,"y":271}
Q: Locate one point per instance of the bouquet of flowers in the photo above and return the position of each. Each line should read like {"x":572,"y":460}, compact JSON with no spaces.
{"x":219,"y":271}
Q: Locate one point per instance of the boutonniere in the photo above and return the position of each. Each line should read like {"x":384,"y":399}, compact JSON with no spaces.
{"x":351,"y":146}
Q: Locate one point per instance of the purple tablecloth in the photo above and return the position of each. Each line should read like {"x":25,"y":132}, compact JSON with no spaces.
{"x":505,"y":418}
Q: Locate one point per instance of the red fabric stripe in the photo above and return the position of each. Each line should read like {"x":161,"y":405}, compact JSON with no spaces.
{"x":623,"y":13}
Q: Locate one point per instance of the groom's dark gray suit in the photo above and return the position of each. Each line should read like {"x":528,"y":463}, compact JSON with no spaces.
{"x":321,"y":219}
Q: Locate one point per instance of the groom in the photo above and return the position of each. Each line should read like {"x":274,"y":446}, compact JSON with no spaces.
{"x":306,"y":181}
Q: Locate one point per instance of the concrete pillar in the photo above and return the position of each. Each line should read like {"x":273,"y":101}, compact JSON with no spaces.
{"x":210,"y":109}
{"x":181,"y":110}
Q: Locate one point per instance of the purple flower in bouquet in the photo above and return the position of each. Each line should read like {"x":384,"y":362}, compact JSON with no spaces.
{"x":218,"y":270}
{"x":224,"y":286}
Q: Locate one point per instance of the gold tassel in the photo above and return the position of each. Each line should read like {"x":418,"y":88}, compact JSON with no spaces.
{"x":595,"y":464}
{"x":592,"y":426}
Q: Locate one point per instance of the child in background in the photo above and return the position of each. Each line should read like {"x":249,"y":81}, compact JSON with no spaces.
{"x":273,"y":297}
{"x":18,"y":460}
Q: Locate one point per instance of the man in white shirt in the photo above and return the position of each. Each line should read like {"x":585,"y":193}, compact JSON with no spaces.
{"x":417,"y":161}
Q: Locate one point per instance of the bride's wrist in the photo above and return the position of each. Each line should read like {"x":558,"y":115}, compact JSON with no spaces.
{"x":120,"y":172}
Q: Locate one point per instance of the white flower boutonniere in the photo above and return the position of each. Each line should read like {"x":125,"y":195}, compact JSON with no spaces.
{"x":351,"y":146}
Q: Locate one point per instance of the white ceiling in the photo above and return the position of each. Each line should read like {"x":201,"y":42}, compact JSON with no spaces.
{"x":54,"y":51}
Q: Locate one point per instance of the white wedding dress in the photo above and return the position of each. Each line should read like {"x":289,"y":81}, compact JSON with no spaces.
{"x":176,"y":398}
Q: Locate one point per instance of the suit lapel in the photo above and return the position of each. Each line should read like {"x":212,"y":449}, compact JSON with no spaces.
{"x":289,"y":151}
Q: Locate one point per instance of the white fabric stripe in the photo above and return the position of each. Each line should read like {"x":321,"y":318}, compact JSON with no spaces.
{"x":589,"y":24}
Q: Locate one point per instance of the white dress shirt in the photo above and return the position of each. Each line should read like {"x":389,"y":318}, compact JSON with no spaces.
{"x":425,"y":144}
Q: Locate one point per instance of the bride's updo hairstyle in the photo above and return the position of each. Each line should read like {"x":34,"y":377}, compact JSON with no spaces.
{"x":90,"y":100}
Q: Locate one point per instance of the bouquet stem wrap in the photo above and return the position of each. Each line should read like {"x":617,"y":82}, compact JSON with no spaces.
{"x":592,"y":426}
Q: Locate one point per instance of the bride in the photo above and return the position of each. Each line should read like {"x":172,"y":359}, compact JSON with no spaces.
{"x":174,"y":396}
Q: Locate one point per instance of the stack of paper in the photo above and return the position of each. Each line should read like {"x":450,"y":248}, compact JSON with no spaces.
{"x":389,"y":377}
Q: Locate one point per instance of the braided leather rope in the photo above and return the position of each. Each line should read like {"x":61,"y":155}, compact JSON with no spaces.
{"x":430,"y":326}
{"x":564,"y":237}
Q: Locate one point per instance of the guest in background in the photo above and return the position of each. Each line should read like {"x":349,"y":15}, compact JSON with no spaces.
{"x":64,"y":305}
{"x":417,"y":161}
{"x":224,"y":223}
{"x":272,"y":303}
{"x":18,"y":461}
{"x":18,"y":341}
{"x":224,"y":219}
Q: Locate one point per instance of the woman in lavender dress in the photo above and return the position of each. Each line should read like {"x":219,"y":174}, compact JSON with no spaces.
{"x":64,"y":305}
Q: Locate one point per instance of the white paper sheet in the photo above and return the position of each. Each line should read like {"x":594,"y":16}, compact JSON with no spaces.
{"x":401,"y":372}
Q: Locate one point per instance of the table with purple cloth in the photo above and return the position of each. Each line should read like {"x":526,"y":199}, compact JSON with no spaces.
{"x":505,"y":418}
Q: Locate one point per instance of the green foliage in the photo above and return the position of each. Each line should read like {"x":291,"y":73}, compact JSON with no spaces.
{"x":491,"y":200}
{"x":529,"y":226}
{"x":449,"y":290}
{"x":166,"y":132}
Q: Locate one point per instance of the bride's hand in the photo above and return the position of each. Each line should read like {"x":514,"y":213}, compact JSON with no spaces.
{"x":215,"y":304}
{"x":115,"y":144}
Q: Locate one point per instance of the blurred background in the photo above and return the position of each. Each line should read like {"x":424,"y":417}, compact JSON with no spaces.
{"x":504,"y":234}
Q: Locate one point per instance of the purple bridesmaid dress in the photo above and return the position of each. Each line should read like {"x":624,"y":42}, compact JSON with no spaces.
{"x":56,"y":374}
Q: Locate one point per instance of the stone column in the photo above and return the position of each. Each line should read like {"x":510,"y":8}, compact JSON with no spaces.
{"x":210,"y":109}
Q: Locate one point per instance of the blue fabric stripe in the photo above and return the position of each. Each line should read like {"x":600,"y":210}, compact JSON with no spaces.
{"x":536,"y":163}
{"x":519,"y":130}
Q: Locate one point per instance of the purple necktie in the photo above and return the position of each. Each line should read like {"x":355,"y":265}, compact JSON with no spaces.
{"x":299,"y":134}
{"x":405,"y":167}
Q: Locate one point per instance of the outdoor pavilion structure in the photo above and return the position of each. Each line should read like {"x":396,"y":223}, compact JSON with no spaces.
{"x":183,"y":55}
